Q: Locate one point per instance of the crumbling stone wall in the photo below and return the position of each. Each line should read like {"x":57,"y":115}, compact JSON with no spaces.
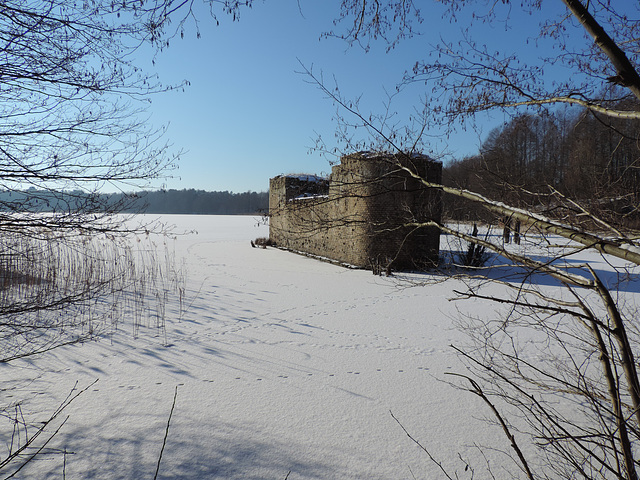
{"x":359,"y":214}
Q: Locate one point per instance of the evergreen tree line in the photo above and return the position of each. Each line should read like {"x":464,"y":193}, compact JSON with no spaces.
{"x":187,"y":201}
{"x":535,"y":160}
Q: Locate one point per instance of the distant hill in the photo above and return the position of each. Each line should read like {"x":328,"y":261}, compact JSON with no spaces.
{"x":171,"y":201}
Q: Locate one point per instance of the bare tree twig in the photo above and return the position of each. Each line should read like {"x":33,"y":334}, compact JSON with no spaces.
{"x":166,"y":433}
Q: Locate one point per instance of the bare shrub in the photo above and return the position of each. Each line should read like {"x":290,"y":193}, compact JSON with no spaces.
{"x":262,"y":242}
{"x":476,"y":255}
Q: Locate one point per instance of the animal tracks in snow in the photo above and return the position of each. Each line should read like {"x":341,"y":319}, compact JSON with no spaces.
{"x":328,"y":376}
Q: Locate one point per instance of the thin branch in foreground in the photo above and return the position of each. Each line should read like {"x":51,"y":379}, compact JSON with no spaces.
{"x":30,"y":441}
{"x":475,"y":389}
{"x":439,"y":464}
{"x":166,"y":433}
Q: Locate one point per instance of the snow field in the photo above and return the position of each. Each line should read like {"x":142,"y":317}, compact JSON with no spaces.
{"x":282,"y":363}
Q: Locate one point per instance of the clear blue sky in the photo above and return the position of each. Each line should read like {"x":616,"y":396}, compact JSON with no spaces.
{"x":248,"y":115}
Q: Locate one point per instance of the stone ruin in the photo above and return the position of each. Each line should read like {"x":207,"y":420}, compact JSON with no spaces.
{"x":359,"y":214}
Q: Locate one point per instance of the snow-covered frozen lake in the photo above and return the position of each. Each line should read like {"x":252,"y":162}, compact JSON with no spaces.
{"x":284,"y":366}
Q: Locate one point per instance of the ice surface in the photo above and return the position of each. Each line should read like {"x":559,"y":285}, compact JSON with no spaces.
{"x":283,"y":364}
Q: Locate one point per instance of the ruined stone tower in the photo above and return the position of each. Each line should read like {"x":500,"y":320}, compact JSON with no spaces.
{"x":359,"y":215}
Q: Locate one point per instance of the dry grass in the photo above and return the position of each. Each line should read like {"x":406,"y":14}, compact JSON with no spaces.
{"x":54,"y":292}
{"x":60,"y":290}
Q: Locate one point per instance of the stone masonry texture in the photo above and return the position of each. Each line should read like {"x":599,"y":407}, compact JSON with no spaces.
{"x":359,"y":215}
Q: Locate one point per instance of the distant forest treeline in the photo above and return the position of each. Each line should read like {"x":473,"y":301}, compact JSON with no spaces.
{"x":161,"y":202}
{"x":537,"y":159}
{"x":202,"y":202}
